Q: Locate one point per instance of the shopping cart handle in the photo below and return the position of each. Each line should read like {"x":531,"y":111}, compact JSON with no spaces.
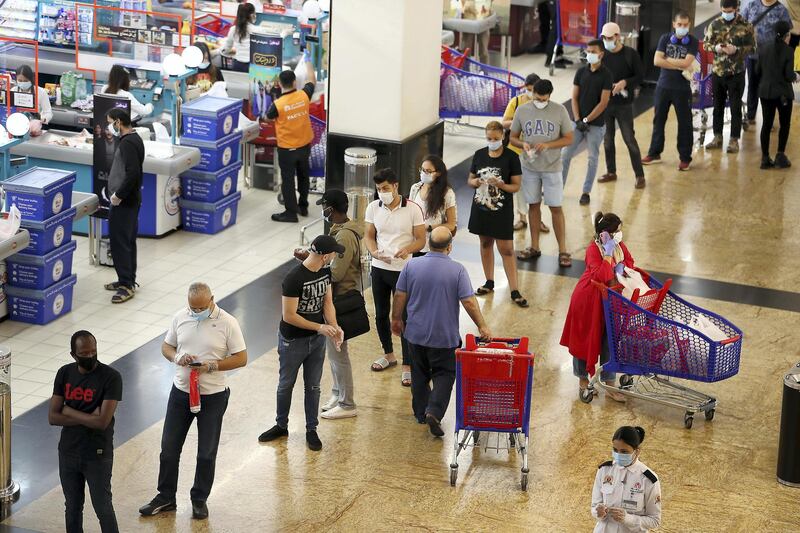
{"x":519,"y":344}
{"x":731,"y":340}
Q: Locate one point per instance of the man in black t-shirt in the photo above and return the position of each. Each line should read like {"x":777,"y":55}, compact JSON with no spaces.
{"x":85,"y":396}
{"x":308,"y":317}
{"x":591,"y":91}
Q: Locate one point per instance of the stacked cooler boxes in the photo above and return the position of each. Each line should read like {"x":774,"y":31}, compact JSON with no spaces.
{"x":40,"y":279}
{"x":209,"y":199}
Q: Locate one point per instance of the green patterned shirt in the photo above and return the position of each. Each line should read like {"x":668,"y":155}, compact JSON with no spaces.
{"x":737,"y":32}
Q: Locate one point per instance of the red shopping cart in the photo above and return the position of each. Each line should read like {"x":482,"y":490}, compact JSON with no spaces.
{"x":577,"y":23}
{"x":494,"y":379}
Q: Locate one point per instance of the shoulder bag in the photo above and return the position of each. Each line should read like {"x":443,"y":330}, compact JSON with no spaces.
{"x":351,"y":309}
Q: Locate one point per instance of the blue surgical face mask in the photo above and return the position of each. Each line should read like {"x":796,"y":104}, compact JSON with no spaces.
{"x":204,"y":65}
{"x":592,"y":58}
{"x":610,"y":45}
{"x":680,"y":33}
{"x":202,"y":315}
{"x":622,"y":459}
{"x":728,"y":16}
{"x":24,"y":85}
{"x":494,"y":145}
{"x":425,"y":178}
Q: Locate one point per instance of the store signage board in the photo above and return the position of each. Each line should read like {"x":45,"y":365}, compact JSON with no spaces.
{"x":104,"y":143}
{"x":266,"y":63}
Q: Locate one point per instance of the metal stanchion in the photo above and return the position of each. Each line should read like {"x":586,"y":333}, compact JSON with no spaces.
{"x":9,"y":489}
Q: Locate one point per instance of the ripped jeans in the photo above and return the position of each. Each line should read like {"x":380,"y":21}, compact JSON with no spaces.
{"x":308,"y":352}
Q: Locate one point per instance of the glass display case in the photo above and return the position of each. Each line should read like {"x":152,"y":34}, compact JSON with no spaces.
{"x":57,"y":23}
{"x":18,"y":18}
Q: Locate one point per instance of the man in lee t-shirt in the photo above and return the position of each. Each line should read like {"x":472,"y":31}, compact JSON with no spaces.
{"x":85,"y":396}
{"x":308,"y":318}
{"x":591,"y":92}
{"x":675,"y":54}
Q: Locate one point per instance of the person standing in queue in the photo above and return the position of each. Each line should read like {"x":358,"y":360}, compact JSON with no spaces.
{"x":291,"y":113}
{"x":24,"y":84}
{"x":202,"y":338}
{"x":626,"y":497}
{"x":430,"y":289}
{"x":675,"y":54}
{"x":591,"y":92}
{"x":433,"y":194}
{"x":627,"y":74}
{"x":85,"y":398}
{"x":125,"y":188}
{"x":584,"y":328}
{"x":395,"y":231}
{"x":308,"y":318}
{"x":238,"y":39}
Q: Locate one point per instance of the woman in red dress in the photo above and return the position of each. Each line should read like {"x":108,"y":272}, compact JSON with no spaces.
{"x":584,"y":330}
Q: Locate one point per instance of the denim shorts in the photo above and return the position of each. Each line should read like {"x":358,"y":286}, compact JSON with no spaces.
{"x":538,"y":184}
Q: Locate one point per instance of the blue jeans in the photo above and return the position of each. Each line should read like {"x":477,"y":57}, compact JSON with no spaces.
{"x":75,"y":473}
{"x":594,"y":139}
{"x":308,"y":352}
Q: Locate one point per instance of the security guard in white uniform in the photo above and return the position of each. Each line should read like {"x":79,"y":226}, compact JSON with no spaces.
{"x":626,"y":495}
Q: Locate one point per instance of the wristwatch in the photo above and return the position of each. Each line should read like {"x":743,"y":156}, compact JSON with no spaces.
{"x":585,"y":121}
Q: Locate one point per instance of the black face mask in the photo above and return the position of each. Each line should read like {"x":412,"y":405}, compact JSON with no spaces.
{"x":87,"y":363}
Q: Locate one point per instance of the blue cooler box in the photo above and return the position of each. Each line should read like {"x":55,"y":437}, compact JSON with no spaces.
{"x":215,"y":155}
{"x":41,"y":307}
{"x":210,"y":217}
{"x":50,"y":234}
{"x":40,"y":271}
{"x":40,"y":193}
{"x":210,"y":118}
{"x":210,"y":186}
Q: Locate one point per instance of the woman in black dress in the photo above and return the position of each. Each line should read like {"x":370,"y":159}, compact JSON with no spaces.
{"x":495,"y":175}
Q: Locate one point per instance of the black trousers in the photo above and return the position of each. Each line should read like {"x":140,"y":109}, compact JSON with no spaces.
{"x":783,"y":108}
{"x":682,"y":102}
{"x":753,"y":81}
{"x":383,"y":285}
{"x":622,"y":115}
{"x":123,"y":226}
{"x":76,"y":472}
{"x":728,"y":89}
{"x":238,"y":66}
{"x":437,"y":365}
{"x":176,"y":425}
{"x":294,"y":163}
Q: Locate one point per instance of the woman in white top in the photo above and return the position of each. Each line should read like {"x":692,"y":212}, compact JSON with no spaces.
{"x":238,"y":39}
{"x":627,"y":496}
{"x":436,"y":198}
{"x":25,"y":79}
{"x":119,"y":83}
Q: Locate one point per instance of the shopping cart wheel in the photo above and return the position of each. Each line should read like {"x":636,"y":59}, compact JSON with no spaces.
{"x":453,"y":476}
{"x":586,"y":395}
{"x":625,"y":381}
{"x":523,"y":482}
{"x":688,"y":418}
{"x":710,"y":414}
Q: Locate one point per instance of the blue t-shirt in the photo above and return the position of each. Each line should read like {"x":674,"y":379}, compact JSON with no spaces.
{"x":670,"y":78}
{"x":435,"y":285}
{"x":765,"y":29}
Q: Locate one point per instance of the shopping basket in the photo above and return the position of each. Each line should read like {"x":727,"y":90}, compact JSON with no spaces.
{"x":659,"y":337}
{"x":494,"y":379}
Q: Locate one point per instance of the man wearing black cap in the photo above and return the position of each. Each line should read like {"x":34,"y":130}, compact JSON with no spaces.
{"x":308,"y":318}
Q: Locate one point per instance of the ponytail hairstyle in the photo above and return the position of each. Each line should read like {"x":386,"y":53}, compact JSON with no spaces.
{"x":606,"y":222}
{"x":438,"y":189}
{"x":243,"y":14}
{"x":633,"y":436}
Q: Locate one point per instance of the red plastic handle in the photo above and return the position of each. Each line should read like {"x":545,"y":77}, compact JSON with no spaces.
{"x":731,"y":340}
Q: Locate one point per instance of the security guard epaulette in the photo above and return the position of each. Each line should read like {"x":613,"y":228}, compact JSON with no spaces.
{"x":651,"y":476}
{"x":607,"y":463}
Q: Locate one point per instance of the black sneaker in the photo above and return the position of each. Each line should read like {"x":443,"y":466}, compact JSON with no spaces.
{"x":273,"y":433}
{"x":312,"y":439}
{"x":199,"y":510}
{"x":584,"y":199}
{"x":781,"y":161}
{"x":286,"y":216}
{"x":303,"y":211}
{"x":434,"y":425}
{"x":767,"y":163}
{"x":157,"y":505}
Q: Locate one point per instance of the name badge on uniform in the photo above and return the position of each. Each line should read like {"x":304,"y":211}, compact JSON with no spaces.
{"x":629,"y":505}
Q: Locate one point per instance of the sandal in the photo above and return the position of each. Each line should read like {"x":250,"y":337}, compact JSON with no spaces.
{"x":565,"y":260}
{"x":123,"y":295}
{"x":517,"y":298}
{"x":484,"y":290}
{"x":543,"y":228}
{"x":379,"y":365}
{"x":113,"y":286}
{"x":529,"y":254}
{"x":406,"y":379}
{"x":520,"y":224}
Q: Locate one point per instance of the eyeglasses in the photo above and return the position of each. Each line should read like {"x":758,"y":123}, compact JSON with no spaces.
{"x":428,"y":172}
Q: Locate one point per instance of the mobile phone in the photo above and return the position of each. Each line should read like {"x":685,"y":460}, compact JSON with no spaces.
{"x":195,"y":363}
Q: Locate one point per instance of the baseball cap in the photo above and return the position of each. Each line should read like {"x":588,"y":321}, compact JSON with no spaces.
{"x":325,"y":244}
{"x":610,"y":29}
{"x":336,"y":199}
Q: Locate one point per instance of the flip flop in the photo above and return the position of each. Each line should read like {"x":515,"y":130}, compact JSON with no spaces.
{"x":383,"y":363}
{"x":483,"y":290}
{"x":406,"y":379}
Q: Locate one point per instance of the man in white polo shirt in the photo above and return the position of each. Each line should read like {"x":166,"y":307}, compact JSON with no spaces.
{"x":395,"y":229}
{"x":205,"y":338}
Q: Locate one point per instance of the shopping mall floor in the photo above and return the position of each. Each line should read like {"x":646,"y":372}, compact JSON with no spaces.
{"x":727,"y":234}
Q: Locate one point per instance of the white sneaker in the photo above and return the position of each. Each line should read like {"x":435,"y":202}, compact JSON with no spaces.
{"x":337,"y":412}
{"x":330,"y":404}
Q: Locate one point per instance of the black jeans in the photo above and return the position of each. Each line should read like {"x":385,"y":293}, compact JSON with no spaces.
{"x":784,"y":111}
{"x":728,"y":89}
{"x":123,"y":226}
{"x":623,"y":115}
{"x":238,"y":66}
{"x":294,"y":163}
{"x":75,"y":473}
{"x":176,"y":426}
{"x":681,"y":100}
{"x":431,"y":364}
{"x":383,"y":284}
{"x":753,"y":81}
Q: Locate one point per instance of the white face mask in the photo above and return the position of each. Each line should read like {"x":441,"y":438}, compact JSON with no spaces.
{"x":610,"y":45}
{"x":425,"y":178}
{"x":539,"y":104}
{"x":681,"y":32}
{"x":386,"y":197}
{"x":494,"y":145}
{"x":592,"y":58}
{"x":114,"y":131}
{"x":617,"y":237}
{"x":528,"y":93}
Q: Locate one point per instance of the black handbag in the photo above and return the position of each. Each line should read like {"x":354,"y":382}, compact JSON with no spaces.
{"x":351,"y":309}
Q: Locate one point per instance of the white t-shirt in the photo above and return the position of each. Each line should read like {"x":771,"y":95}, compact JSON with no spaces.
{"x":394,"y":229}
{"x":242,"y":47}
{"x":415,"y":195}
{"x":136,"y":107}
{"x":213,"y":339}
